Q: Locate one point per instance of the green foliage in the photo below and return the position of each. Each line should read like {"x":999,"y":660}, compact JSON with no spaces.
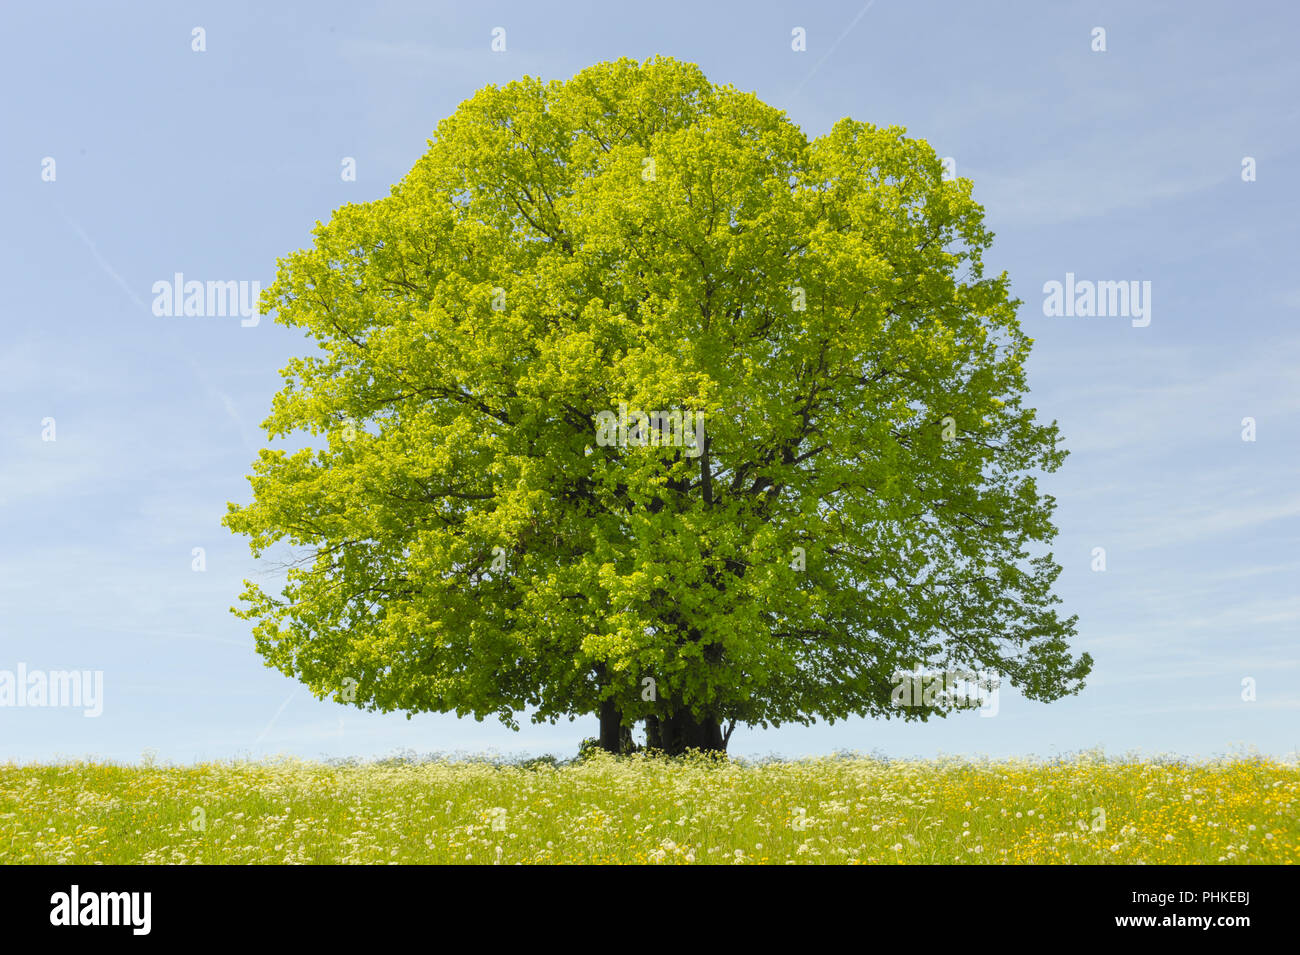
{"x":638,"y":235}
{"x":588,"y":749}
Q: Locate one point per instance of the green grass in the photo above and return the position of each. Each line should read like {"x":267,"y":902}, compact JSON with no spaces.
{"x":637,"y":810}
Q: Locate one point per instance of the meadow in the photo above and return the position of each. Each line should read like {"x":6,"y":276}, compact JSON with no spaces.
{"x":843,"y":809}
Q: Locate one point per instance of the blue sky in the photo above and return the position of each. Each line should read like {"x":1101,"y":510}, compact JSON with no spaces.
{"x":1122,"y":165}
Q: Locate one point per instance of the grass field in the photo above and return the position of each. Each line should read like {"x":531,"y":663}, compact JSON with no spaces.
{"x":637,"y":810}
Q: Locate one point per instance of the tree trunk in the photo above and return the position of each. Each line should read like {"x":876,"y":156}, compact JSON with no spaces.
{"x":614,"y":736}
{"x":654,"y":739}
{"x":675,"y":734}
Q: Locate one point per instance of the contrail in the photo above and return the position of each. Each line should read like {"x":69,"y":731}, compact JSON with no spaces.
{"x":103,"y":263}
{"x":825,"y":56}
{"x":275,"y":717}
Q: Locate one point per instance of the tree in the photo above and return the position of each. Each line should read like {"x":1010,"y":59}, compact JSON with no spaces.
{"x":636,"y":402}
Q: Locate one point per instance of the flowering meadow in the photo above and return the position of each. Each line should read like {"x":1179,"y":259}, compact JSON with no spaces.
{"x":1087,"y":809}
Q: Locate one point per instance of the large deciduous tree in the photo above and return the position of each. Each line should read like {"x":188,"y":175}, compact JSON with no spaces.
{"x":858,"y":495}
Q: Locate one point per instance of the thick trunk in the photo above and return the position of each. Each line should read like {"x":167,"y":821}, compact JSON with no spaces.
{"x":614,"y":736}
{"x":675,"y":734}
{"x":653,"y":736}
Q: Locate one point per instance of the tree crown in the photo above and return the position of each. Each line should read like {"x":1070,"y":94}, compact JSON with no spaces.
{"x":843,"y":485}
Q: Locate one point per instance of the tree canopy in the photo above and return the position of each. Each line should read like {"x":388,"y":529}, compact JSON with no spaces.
{"x":496,"y":516}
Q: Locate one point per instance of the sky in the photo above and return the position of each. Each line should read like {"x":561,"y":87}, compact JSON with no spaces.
{"x":1169,"y":157}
